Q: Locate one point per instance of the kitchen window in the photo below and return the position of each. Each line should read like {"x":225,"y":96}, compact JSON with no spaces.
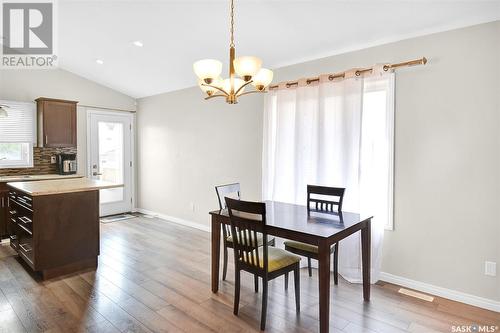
{"x":16,"y":155}
{"x":17,"y":134}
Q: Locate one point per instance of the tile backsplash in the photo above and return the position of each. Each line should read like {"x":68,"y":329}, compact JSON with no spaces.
{"x":41,"y":161}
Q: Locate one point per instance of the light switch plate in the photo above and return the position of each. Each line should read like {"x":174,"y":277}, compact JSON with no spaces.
{"x":52,"y":160}
{"x":490,"y":268}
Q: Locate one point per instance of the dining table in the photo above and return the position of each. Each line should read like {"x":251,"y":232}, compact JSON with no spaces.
{"x":298,"y":223}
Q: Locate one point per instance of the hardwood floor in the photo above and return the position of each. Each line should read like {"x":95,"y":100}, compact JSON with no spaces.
{"x":154,"y":276}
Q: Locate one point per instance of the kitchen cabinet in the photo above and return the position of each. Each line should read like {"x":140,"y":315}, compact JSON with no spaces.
{"x":55,"y":234}
{"x":7,"y":228}
{"x":56,"y":122}
{"x":4,"y":210}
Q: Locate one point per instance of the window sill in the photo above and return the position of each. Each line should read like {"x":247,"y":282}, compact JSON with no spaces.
{"x":14,"y":166}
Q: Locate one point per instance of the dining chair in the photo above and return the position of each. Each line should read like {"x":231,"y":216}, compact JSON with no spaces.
{"x":320,"y":204}
{"x":247,"y":219}
{"x":233,"y":191}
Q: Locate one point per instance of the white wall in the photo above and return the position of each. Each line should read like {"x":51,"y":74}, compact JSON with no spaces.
{"x":27,"y":85}
{"x":447,"y":155}
{"x":187,"y":145}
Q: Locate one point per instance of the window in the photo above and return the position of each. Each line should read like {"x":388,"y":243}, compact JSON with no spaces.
{"x":17,"y":135}
{"x":14,"y":155}
{"x":336,"y":133}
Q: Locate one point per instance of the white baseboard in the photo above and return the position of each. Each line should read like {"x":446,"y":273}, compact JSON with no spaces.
{"x":442,"y":292}
{"x":174,"y":219}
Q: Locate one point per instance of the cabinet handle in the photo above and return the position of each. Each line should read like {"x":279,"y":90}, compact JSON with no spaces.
{"x":27,"y":250}
{"x":25,"y":229}
{"x":25,"y":220}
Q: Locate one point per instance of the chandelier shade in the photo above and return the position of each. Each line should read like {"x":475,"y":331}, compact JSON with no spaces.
{"x":248,"y":68}
{"x":212,"y":88}
{"x":262,"y":79}
{"x":207,"y":69}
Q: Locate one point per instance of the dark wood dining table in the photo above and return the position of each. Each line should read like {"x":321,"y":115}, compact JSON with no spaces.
{"x":322,"y":229}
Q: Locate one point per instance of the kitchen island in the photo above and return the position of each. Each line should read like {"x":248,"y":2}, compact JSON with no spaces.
{"x":55,"y":224}
{"x":4,"y":195}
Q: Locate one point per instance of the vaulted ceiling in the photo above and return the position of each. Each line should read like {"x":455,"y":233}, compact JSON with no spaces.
{"x":281,"y":32}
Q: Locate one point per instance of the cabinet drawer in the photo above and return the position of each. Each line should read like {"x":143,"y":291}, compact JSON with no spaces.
{"x":25,"y":224}
{"x":13,"y":242}
{"x":25,"y":246}
{"x":20,"y":207}
{"x":23,"y":200}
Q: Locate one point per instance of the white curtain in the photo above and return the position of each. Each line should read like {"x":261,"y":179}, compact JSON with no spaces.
{"x":334,"y":133}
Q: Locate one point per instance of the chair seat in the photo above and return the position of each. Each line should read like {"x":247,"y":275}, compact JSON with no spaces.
{"x":276,"y":258}
{"x":260,"y":239}
{"x":302,"y":246}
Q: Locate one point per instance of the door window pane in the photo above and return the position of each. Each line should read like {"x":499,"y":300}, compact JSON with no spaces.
{"x":111,"y":161}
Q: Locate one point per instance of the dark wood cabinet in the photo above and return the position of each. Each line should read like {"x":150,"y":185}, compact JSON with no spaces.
{"x":56,"y":122}
{"x":55,"y":234}
{"x":4,"y":210}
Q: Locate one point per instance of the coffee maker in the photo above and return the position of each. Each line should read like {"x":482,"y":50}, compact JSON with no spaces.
{"x":66,"y":164}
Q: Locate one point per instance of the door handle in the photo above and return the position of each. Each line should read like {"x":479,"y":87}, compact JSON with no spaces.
{"x":97,"y":173}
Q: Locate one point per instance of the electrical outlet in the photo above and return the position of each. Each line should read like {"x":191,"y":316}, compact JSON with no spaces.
{"x":490,"y":268}
{"x":52,"y":160}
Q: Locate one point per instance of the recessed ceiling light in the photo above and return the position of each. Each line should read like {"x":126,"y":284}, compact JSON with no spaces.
{"x":138,"y":43}
{"x":100,"y":61}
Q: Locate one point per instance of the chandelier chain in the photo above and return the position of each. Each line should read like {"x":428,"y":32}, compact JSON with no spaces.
{"x":231,"y":44}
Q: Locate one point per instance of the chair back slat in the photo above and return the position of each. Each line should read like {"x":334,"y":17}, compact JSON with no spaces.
{"x":257,"y":259}
{"x":246,"y":220}
{"x":228,"y":190}
{"x":322,"y":203}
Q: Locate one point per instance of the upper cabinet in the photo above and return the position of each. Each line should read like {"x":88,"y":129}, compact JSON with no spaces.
{"x":56,"y":122}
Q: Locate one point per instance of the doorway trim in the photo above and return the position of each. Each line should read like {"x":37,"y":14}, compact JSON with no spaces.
{"x":96,"y":111}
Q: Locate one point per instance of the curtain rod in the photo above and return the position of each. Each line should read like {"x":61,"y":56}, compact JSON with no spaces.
{"x":421,"y":61}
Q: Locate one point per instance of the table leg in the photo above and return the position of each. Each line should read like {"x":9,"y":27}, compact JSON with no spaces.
{"x":366,"y":254}
{"x":324,"y":286}
{"x":215,"y":253}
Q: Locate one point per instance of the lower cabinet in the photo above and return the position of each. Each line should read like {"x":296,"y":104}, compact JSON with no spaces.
{"x":21,"y":226}
{"x":55,"y":234}
{"x":4,"y":212}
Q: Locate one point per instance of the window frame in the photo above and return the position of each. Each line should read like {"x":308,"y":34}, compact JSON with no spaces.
{"x":390,"y":89}
{"x":27,"y":162}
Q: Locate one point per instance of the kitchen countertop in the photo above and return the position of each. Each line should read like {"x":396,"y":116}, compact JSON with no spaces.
{"x":20,"y":178}
{"x":47,"y":187}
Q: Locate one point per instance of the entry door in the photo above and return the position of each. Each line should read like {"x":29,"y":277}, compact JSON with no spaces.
{"x":110,"y":158}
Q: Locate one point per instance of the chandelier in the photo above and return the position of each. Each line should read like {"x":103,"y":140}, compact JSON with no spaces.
{"x":248,"y":68}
